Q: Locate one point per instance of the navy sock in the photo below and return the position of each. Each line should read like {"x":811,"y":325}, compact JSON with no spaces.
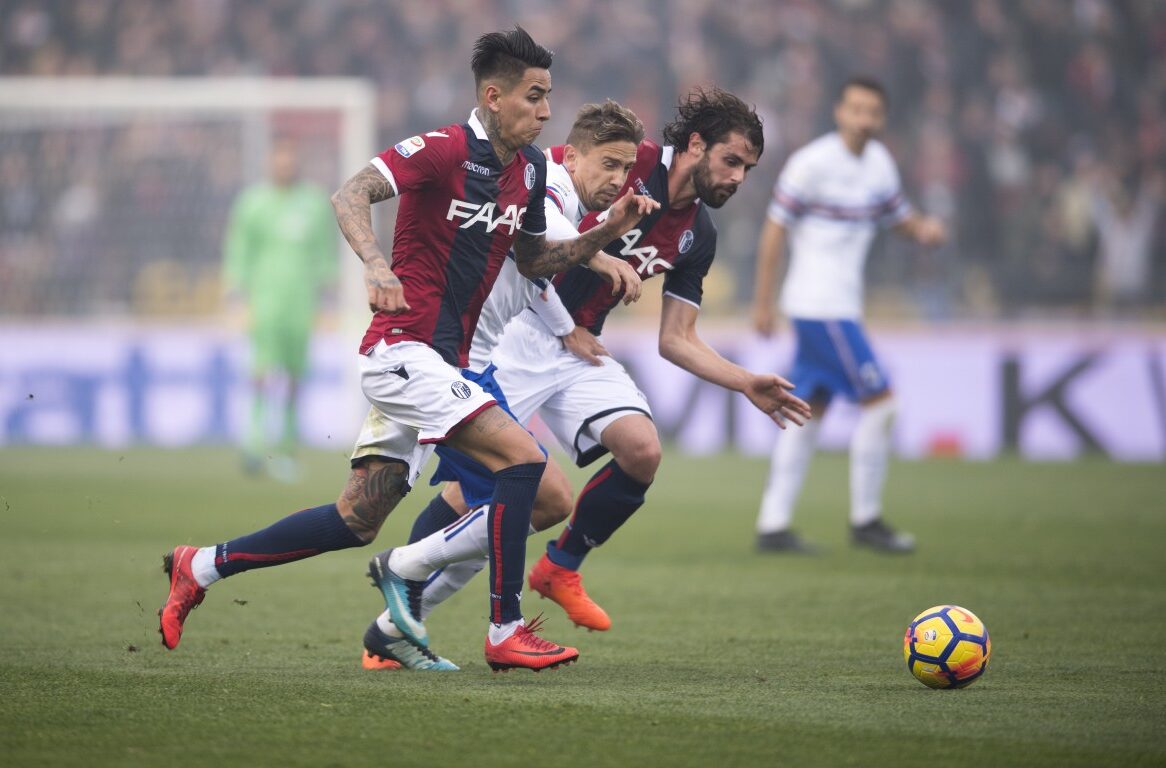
{"x":306,"y":533}
{"x":604,"y":504}
{"x":508,"y":525}
{"x":437,"y":515}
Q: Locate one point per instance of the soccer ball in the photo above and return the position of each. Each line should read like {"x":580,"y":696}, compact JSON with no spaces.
{"x":947,"y":647}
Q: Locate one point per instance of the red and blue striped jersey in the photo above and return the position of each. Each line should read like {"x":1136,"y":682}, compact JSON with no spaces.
{"x":458,"y":216}
{"x":678,"y":243}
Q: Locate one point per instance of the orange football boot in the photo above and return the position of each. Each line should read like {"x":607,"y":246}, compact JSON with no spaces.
{"x":565,"y":587}
{"x":368,"y":661}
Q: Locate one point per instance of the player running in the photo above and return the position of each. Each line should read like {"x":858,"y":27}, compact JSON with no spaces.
{"x":828,"y":202}
{"x":469,"y":193}
{"x":591,"y":410}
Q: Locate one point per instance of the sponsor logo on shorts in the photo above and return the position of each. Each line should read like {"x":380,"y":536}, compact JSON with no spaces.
{"x":461,"y":390}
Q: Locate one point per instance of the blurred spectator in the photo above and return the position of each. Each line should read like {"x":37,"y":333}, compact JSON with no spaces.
{"x":1125,"y":223}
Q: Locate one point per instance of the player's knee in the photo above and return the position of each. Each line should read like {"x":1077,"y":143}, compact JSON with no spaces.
{"x":640,"y":458}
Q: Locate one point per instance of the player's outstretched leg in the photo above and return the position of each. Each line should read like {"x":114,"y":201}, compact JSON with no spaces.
{"x":373,"y":490}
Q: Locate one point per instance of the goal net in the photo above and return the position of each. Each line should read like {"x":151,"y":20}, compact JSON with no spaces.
{"x":115,"y":196}
{"x":116,"y":191}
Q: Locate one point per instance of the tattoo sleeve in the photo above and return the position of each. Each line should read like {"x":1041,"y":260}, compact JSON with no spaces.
{"x":353,"y":206}
{"x":370,"y":496}
{"x":538,"y":257}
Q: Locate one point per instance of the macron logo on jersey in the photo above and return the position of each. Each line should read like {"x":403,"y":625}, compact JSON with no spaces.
{"x":481,"y":170}
{"x":472,"y":213}
{"x":646,"y":255}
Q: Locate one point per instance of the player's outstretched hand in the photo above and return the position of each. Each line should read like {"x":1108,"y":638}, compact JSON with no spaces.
{"x":385,"y":293}
{"x":584,"y":345}
{"x":619,"y":273}
{"x":627,"y":211}
{"x":771,"y":394}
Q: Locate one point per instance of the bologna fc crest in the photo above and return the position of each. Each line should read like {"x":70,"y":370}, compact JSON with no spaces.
{"x":528,"y":176}
{"x":461,"y":390}
{"x":686,"y":238}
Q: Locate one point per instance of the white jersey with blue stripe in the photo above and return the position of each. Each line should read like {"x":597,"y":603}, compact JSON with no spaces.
{"x":830,"y":202}
{"x":512,"y":293}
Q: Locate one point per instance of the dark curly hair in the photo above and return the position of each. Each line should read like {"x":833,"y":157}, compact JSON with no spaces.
{"x":506,"y":55}
{"x":714,"y":114}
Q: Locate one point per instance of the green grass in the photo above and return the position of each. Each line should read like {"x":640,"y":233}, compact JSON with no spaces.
{"x":719,"y":656}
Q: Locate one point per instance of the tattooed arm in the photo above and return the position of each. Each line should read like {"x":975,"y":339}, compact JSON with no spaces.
{"x":353,"y":206}
{"x":538,"y":257}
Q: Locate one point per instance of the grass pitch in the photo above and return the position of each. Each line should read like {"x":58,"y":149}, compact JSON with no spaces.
{"x":718,"y":655}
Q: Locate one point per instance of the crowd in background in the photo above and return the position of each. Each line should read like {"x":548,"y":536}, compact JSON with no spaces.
{"x":1037,"y":128}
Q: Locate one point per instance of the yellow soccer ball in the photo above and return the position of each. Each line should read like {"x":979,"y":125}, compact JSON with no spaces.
{"x":947,"y":647}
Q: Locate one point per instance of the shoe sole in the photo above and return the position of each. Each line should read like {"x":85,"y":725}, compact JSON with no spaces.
{"x":390,"y":665}
{"x":501,"y":666}
{"x":399,"y":613}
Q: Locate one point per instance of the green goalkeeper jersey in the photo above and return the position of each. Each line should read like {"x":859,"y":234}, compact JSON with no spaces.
{"x":280,"y":250}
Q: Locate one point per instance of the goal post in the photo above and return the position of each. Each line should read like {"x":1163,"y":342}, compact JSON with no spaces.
{"x":117,"y":191}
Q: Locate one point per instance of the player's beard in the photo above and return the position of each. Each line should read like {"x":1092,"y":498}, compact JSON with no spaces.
{"x":713,"y":195}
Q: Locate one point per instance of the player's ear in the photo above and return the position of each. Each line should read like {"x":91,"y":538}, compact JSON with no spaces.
{"x":696,"y":143}
{"x":491,"y":96}
{"x":570,"y":158}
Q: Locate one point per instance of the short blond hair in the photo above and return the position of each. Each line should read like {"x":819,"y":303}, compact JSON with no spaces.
{"x":604,"y":123}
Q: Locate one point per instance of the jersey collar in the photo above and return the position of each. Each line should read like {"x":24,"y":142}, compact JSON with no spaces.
{"x":476,"y":125}
{"x":666,"y":156}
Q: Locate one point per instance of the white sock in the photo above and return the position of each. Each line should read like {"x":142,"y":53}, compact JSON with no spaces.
{"x":870,"y":447}
{"x":464,"y":539}
{"x":448,"y":581}
{"x":499,"y":632}
{"x":787,"y":470}
{"x":203,"y":567}
{"x":385,"y":622}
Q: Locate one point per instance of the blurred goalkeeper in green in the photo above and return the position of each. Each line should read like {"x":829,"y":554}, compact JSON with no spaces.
{"x":279,"y":253}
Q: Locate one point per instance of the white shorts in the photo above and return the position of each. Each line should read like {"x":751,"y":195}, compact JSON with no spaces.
{"x":575,"y":399}
{"x":417,"y":399}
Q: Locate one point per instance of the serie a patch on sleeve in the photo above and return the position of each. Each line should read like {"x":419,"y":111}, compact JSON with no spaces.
{"x":410,"y":145}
